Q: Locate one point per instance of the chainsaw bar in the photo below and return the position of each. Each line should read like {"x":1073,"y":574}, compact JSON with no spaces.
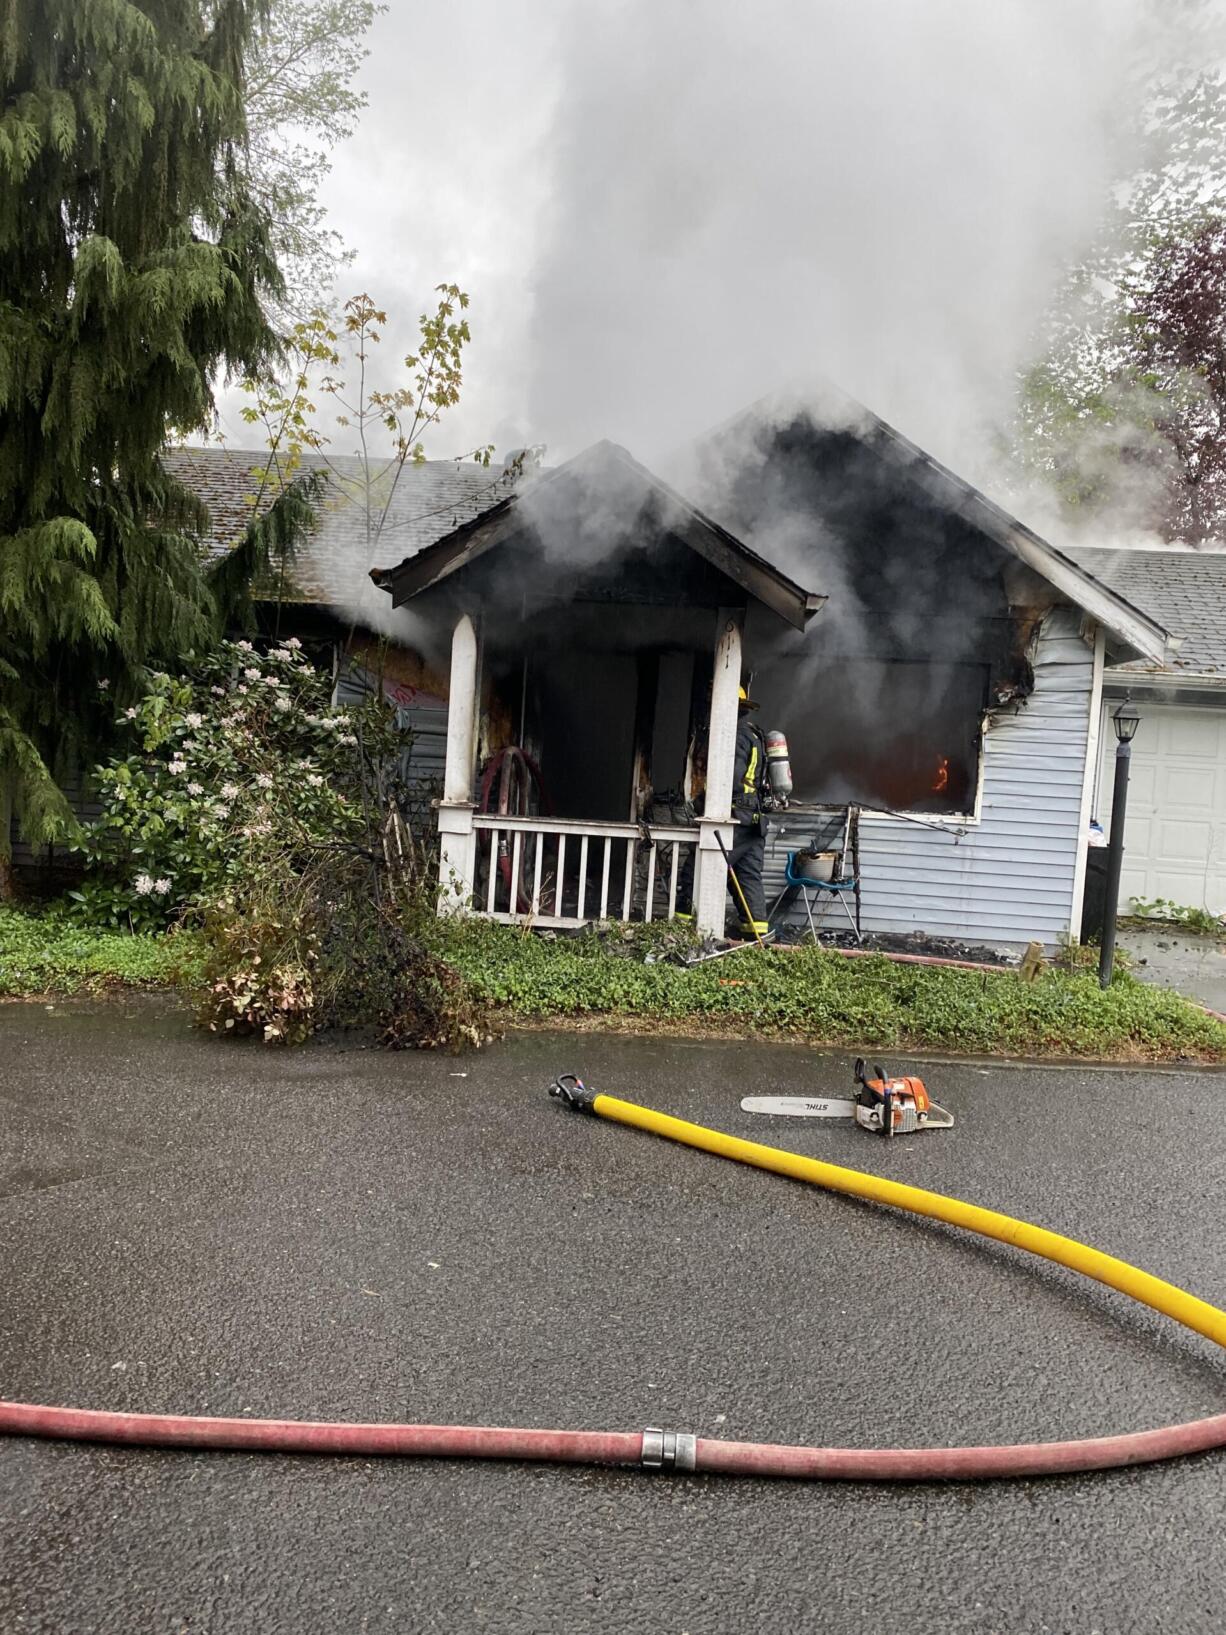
{"x":936,"y":1118}
{"x":800,"y":1106}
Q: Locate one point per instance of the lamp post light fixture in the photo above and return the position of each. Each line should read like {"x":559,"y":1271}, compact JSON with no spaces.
{"x":1125,"y":720}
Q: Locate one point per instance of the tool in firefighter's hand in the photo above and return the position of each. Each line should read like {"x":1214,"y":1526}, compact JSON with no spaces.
{"x":740,"y":895}
{"x":886,"y":1106}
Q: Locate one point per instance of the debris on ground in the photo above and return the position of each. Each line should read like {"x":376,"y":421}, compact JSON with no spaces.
{"x":914,"y":942}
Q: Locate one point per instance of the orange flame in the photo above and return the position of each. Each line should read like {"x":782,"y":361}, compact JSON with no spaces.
{"x":941,"y":781}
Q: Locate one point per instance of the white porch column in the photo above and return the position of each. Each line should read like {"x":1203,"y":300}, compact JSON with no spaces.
{"x":457,"y":838}
{"x":711,"y":872}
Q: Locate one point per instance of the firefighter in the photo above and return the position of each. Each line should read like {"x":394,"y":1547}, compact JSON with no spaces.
{"x":750,"y":800}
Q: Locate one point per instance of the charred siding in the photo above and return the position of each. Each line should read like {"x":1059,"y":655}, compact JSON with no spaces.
{"x":1010,"y":878}
{"x":423,"y":764}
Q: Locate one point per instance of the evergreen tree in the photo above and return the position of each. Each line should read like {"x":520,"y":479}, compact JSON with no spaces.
{"x":133,"y":264}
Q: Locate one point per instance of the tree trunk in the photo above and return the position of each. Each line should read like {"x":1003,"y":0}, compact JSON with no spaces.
{"x":6,"y":843}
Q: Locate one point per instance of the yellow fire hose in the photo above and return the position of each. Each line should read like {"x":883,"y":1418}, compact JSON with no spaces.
{"x":658,"y":1450}
{"x":989,"y":1223}
{"x":1032,"y":1459}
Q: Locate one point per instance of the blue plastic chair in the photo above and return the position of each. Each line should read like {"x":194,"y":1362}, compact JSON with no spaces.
{"x":829,"y":892}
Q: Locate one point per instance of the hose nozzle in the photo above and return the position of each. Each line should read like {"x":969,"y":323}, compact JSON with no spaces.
{"x":570,"y":1088}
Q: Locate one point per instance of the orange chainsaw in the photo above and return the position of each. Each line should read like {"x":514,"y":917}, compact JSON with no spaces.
{"x":886,"y":1106}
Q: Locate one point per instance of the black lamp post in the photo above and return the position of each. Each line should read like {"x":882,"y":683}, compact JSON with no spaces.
{"x":1125,"y":721}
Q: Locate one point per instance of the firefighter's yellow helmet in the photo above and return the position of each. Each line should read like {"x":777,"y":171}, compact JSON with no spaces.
{"x":745,"y":699}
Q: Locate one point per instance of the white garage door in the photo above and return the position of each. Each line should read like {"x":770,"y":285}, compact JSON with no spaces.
{"x":1175,"y":837}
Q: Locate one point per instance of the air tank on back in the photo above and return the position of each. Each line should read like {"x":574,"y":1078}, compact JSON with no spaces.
{"x":778,"y":766}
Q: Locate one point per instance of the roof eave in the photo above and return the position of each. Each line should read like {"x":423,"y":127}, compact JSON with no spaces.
{"x":1165,"y":676}
{"x":1143,"y":636}
{"x":767,"y":584}
{"x":435,"y":562}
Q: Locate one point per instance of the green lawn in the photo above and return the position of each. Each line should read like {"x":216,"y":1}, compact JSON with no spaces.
{"x":49,"y":953}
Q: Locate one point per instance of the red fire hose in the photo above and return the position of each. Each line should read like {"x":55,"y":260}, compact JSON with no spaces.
{"x":650,"y":1449}
{"x":654,"y":1449}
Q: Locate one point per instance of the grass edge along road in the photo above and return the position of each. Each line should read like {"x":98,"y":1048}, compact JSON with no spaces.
{"x":817,"y":996}
{"x":807,"y":994}
{"x":52,"y":953}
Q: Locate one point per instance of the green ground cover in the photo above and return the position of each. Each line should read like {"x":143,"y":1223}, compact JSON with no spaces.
{"x":824,"y":997}
{"x":52,"y":953}
{"x":808,"y":994}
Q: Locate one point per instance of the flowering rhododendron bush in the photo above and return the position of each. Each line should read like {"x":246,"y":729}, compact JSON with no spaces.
{"x":254,"y":810}
{"x":240,"y":765}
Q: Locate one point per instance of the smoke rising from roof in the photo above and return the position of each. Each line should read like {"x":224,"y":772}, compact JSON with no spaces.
{"x":878,"y":192}
{"x":664,"y":211}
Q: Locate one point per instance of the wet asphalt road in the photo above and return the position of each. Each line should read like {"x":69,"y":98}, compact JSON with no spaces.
{"x":337,"y":1233}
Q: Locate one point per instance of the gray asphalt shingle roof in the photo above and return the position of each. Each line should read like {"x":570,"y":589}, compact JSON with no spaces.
{"x":333,"y":567}
{"x":1185,"y":591}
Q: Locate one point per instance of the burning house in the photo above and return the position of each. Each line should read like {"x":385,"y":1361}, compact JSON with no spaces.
{"x":597,"y":626}
{"x":946,"y":696}
{"x":570,"y":666}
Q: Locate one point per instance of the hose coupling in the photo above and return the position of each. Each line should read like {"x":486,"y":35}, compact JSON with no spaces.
{"x":668,"y":1450}
{"x":570,"y":1088}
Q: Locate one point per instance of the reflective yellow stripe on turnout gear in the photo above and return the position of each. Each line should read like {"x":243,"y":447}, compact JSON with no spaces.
{"x":749,"y":783}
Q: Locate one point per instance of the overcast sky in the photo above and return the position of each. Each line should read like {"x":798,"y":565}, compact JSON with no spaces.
{"x":665,"y":208}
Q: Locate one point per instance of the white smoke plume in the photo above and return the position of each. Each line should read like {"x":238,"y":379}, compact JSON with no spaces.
{"x":667,"y":209}
{"x":880,"y":192}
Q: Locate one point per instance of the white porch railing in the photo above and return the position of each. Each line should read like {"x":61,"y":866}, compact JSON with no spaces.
{"x":568,"y":872}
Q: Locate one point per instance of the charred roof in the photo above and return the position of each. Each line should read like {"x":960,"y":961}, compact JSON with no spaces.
{"x":600,"y":527}
{"x":833,"y":485}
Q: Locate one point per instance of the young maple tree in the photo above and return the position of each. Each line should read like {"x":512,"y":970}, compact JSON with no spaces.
{"x":386,"y":425}
{"x":133,"y":266}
